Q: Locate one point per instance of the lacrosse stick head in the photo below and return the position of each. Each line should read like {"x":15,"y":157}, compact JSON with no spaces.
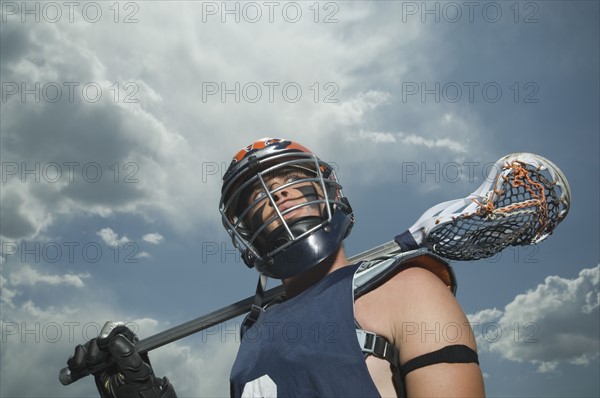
{"x":521,"y":202}
{"x":283,"y":207}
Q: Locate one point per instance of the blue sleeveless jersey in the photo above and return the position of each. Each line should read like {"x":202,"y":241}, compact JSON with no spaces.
{"x":305,"y":346}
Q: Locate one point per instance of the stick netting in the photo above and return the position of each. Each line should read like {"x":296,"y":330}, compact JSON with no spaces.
{"x":524,"y":206}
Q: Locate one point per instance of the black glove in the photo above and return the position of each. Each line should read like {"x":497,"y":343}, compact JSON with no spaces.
{"x":130,"y":376}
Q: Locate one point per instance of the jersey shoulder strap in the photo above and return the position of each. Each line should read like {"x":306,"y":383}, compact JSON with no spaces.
{"x":374,"y":273}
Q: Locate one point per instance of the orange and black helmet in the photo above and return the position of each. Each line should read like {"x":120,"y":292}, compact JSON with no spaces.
{"x":280,"y":246}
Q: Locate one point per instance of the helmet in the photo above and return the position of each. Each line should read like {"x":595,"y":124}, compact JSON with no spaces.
{"x":272,"y":239}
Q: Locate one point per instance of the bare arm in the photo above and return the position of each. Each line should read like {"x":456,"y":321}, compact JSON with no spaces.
{"x":421,"y":316}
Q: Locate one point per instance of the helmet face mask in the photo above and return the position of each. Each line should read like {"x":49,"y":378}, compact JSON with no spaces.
{"x":283,"y":208}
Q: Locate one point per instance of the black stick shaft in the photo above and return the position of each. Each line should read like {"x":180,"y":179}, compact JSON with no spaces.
{"x":175,"y":333}
{"x":216,"y":317}
{"x":204,"y":322}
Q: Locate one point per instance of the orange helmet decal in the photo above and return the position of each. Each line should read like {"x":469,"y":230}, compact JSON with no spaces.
{"x":266,"y":142}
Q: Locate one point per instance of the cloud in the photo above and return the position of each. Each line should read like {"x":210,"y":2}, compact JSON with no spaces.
{"x":42,"y":337}
{"x":110,"y":237}
{"x":6,"y":294}
{"x":375,"y":137}
{"x":153,"y":238}
{"x":353,"y":111}
{"x":151,"y":152}
{"x":77,"y":155}
{"x":23,"y":215}
{"x":443,"y":143}
{"x":200,"y":368}
{"x":143,"y":255}
{"x":553,"y":324}
{"x":408,"y":139}
{"x":26,"y":275}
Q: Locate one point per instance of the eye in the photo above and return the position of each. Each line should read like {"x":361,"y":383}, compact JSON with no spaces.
{"x":293,"y":178}
{"x":258,"y":194}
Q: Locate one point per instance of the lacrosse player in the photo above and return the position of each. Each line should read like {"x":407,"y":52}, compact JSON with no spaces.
{"x":386,"y":327}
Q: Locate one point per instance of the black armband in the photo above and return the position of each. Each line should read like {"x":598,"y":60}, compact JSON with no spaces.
{"x":450,"y":354}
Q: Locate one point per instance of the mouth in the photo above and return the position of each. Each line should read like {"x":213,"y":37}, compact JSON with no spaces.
{"x":287,"y":205}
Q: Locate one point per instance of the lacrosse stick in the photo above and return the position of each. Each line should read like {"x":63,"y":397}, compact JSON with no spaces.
{"x":521,"y":202}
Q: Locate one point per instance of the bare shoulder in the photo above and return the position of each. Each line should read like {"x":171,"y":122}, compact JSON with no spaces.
{"x":415,"y":278}
{"x":415,"y":290}
{"x":417,"y":312}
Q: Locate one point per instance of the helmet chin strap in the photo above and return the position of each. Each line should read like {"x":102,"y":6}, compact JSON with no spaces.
{"x":277,"y":238}
{"x":280,"y":236}
{"x":307,"y":251}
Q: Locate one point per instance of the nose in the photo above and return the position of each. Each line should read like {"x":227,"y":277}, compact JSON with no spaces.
{"x":281,"y":195}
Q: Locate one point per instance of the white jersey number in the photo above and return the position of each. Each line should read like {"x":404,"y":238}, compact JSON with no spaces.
{"x":261,"y":387}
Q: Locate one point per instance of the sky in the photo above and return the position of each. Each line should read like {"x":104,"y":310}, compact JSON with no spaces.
{"x":118,"y":120}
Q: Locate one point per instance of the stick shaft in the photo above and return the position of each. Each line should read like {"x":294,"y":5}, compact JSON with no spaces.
{"x":239,"y":308}
{"x":204,"y":322}
{"x":216,"y":317}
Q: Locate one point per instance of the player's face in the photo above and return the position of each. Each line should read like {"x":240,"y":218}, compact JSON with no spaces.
{"x":284,"y":199}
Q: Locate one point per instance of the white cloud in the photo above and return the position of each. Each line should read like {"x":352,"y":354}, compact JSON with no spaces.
{"x":443,"y":143}
{"x":43,"y":337}
{"x":376,"y":137}
{"x":23,"y":214}
{"x":408,"y":139}
{"x":143,"y":255}
{"x":154,"y":238}
{"x":485,"y":316}
{"x":353,"y":111}
{"x":170,"y":132}
{"x":198,"y":369}
{"x":557,"y":322}
{"x":111,"y":238}
{"x":26,"y":275}
{"x":6,"y":294}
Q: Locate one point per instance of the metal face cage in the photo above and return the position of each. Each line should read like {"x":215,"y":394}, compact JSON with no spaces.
{"x":252,"y":189}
